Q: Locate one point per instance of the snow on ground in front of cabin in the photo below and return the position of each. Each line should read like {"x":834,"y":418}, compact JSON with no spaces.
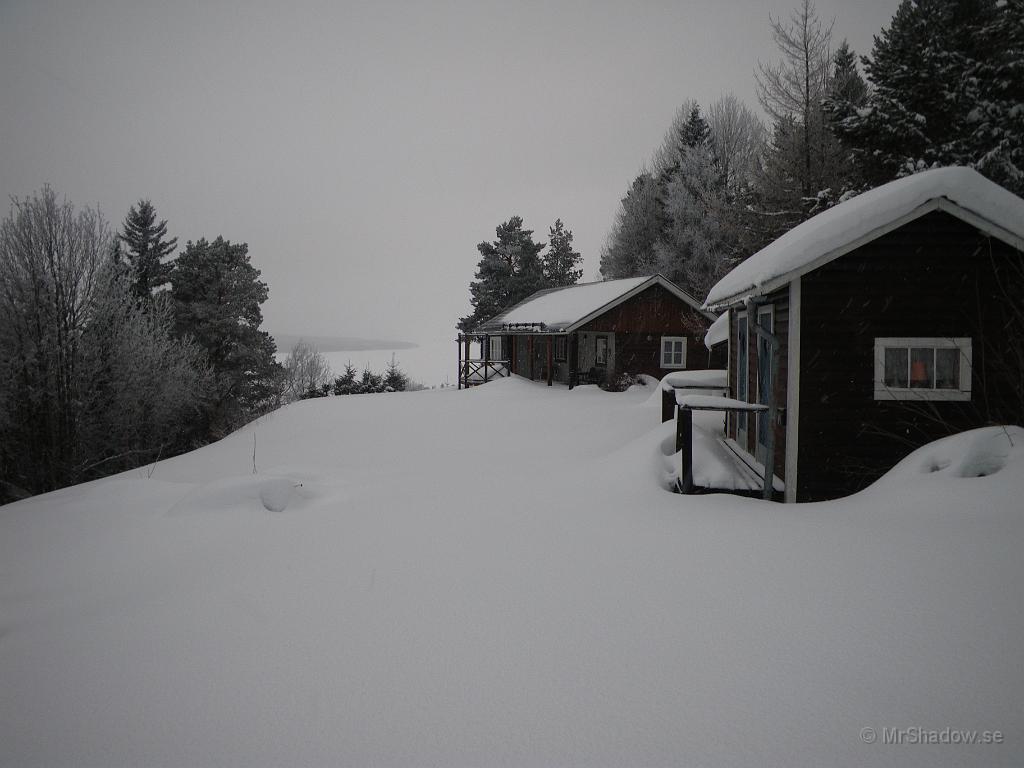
{"x":497,"y":577}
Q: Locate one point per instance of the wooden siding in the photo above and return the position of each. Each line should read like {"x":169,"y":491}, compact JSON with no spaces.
{"x":933,"y":277}
{"x":655,"y":312}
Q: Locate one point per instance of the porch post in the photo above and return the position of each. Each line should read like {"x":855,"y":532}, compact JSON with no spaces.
{"x":458,"y":353}
{"x":466,"y":362}
{"x":684,"y":444}
{"x":550,"y":361}
{"x":487,"y":354}
{"x":572,"y":352}
{"x":511,"y":353}
{"x":529,"y":350}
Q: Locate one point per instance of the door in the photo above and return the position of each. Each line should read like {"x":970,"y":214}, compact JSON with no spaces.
{"x":765,"y":371}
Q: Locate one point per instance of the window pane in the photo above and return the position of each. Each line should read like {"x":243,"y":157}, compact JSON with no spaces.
{"x":922,"y":367}
{"x":947,"y":369}
{"x":896,"y":368}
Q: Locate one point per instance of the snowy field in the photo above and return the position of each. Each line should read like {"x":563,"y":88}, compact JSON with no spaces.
{"x":498,"y":577}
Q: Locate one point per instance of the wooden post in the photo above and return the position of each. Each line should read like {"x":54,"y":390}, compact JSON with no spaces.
{"x":529,"y":351}
{"x":668,"y":404}
{"x":486,"y":344}
{"x":571,"y":349}
{"x":466,"y":362}
{"x":550,"y":362}
{"x":511,"y":354}
{"x":684,"y":444}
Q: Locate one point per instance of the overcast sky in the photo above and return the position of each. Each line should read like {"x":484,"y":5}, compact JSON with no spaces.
{"x":362,"y":150}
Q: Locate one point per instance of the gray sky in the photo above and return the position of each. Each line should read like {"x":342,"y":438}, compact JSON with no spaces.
{"x":362,"y":150}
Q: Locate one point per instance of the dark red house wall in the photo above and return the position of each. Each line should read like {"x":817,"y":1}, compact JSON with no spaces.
{"x":934,"y":277}
{"x":656,"y":312}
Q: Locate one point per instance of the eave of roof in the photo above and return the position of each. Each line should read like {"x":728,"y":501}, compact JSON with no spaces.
{"x":566,"y":325}
{"x":961,"y":192}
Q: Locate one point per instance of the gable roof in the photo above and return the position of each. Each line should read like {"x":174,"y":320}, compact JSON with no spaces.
{"x":961,"y":192}
{"x":563,"y":310}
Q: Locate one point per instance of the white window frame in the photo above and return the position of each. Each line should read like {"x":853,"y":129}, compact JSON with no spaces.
{"x":494,"y":350}
{"x":674,"y":340}
{"x":598,"y":360}
{"x":883,"y":392}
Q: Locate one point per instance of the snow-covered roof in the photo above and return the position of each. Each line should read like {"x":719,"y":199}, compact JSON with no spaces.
{"x":558,"y":310}
{"x":962,"y":192}
{"x":718,"y":333}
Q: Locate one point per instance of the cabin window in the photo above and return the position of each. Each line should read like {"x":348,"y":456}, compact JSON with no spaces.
{"x":922,"y":369}
{"x":600,"y":350}
{"x":495,"y":348}
{"x":673,"y":351}
{"x":560,"y":347}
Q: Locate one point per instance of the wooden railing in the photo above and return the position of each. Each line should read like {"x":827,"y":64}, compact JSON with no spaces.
{"x":475,"y":372}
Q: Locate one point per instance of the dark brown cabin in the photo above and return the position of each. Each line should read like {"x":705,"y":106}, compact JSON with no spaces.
{"x":591,"y":333}
{"x":898,"y":320}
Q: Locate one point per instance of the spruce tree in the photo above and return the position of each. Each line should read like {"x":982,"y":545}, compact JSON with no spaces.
{"x":146,"y":249}
{"x":346,"y":383}
{"x":394,"y":379}
{"x":948,"y":81}
{"x":560,"y":262}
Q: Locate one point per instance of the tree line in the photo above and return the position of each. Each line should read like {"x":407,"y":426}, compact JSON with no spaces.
{"x":114,"y":352}
{"x":943,"y":85}
{"x":308,"y":375}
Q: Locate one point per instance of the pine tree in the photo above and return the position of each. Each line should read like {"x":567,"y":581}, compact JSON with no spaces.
{"x":510,"y":269}
{"x":561,"y":261}
{"x":146,"y":249}
{"x":217,"y":296}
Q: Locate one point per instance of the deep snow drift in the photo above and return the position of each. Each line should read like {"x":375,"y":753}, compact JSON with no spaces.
{"x":497,"y":577}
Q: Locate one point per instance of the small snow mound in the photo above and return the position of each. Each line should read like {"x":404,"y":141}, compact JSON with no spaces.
{"x":272,"y":493}
{"x":986,"y":455}
{"x":975,"y":453}
{"x":276,"y":493}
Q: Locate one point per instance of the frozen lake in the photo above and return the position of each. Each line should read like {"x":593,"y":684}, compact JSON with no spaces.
{"x":432,"y":362}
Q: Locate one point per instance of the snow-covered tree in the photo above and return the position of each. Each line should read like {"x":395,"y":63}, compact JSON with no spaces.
{"x":91,"y":381}
{"x":947,"y":81}
{"x":305,"y":369}
{"x":629,"y":250}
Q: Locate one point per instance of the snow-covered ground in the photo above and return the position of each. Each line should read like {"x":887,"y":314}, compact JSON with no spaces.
{"x":497,"y":577}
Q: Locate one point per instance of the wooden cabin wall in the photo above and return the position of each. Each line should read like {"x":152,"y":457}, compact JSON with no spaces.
{"x":655,"y":312}
{"x":934,"y":277}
